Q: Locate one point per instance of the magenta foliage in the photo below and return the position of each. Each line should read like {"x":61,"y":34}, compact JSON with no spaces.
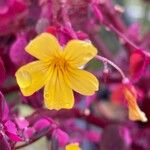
{"x":17,"y":51}
{"x":99,"y":121}
{"x":61,"y":137}
{"x":8,"y":10}
{"x":116,"y":136}
{"x":8,"y":127}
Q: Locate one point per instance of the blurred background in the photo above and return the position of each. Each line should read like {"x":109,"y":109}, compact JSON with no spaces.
{"x":120,"y":133}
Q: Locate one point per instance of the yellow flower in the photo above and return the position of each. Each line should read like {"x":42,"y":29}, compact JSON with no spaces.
{"x":73,"y":146}
{"x":57,"y":69}
{"x":135,"y":113}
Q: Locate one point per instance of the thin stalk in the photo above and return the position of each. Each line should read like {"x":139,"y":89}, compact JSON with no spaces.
{"x":105,"y":60}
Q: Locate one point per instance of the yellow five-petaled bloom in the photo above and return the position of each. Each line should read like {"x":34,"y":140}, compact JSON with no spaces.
{"x":58,"y":69}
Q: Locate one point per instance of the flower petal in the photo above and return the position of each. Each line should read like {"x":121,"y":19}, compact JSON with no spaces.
{"x":79,"y":52}
{"x":57,"y":94}
{"x":31,"y":77}
{"x":82,"y":81}
{"x":134,"y":111}
{"x":43,"y":46}
{"x":72,"y":146}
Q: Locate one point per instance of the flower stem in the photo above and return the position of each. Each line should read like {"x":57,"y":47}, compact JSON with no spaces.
{"x":45,"y":132}
{"x":105,"y":60}
{"x":73,"y":113}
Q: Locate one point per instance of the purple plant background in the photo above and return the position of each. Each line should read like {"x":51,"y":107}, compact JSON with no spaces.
{"x":120,"y":31}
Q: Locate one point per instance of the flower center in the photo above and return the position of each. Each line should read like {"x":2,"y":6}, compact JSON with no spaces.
{"x":60,"y":62}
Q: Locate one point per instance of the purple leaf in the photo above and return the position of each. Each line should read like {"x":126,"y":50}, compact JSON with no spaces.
{"x":10,"y":127}
{"x":137,"y":65}
{"x":134,"y":32}
{"x":41,"y":124}
{"x":61,"y":136}
{"x":28,"y":132}
{"x":10,"y":9}
{"x":17,"y":51}
{"x":90,"y":99}
{"x":116,"y":137}
{"x":93,"y":136}
{"x":34,"y":100}
{"x":16,"y":6}
{"x":14,"y":137}
{"x":2,"y":71}
{"x":22,"y":123}
{"x":141,"y":139}
{"x":4,"y":145}
{"x":4,"y":111}
{"x":11,"y":131}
